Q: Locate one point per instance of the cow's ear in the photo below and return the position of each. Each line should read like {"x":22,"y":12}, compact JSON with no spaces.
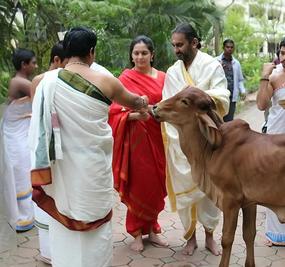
{"x":209,"y":130}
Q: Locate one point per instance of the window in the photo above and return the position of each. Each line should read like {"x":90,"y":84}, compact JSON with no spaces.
{"x":256,"y":11}
{"x":274,"y":14}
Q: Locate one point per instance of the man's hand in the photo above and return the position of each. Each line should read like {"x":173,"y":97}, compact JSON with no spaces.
{"x":242,"y":96}
{"x":141,"y":116}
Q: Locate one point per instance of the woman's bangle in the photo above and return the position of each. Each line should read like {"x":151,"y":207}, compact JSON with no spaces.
{"x":264,"y":79}
{"x":140,"y":103}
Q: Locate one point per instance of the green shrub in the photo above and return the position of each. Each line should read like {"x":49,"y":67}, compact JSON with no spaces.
{"x":4,"y":82}
{"x":251,"y":68}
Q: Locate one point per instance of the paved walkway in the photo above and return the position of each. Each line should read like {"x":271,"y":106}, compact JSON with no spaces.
{"x":26,"y":254}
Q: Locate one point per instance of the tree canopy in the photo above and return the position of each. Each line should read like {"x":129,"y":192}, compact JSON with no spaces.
{"x":116,"y":22}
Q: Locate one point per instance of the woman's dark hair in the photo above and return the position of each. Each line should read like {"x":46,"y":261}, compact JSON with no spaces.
{"x":189,"y":32}
{"x":78,"y":42}
{"x":141,"y":39}
{"x":22,"y":55}
{"x":57,"y":50}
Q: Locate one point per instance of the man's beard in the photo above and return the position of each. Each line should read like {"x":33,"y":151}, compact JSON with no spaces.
{"x":183,"y":57}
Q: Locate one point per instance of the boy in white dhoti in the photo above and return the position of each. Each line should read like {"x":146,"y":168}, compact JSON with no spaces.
{"x":14,"y":134}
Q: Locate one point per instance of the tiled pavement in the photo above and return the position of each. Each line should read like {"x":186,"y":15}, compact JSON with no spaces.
{"x":26,"y":255}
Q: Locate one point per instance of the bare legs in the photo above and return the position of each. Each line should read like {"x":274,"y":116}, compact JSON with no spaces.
{"x":210,"y":244}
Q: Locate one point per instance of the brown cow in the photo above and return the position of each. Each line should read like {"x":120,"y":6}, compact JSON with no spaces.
{"x":235,"y":166}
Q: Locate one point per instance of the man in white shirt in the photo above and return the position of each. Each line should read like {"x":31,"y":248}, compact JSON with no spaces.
{"x":198,"y":69}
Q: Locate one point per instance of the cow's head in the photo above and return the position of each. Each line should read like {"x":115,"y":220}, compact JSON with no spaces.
{"x":189,"y":106}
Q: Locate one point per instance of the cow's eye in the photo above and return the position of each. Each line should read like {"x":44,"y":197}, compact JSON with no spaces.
{"x":185,"y":102}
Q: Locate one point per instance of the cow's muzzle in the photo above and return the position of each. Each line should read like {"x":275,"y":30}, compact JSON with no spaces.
{"x":154,"y":112}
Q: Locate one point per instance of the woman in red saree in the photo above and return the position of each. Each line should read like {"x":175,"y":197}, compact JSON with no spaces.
{"x":138,"y":156}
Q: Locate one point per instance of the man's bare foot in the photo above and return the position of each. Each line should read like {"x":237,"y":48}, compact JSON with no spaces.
{"x":211,"y":244}
{"x":268,"y":243}
{"x":157,"y":241}
{"x":190,"y":247}
{"x":137,"y":244}
{"x":44,"y":259}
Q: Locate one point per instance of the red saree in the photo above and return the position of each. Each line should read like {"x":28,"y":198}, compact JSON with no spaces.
{"x":138,"y":157}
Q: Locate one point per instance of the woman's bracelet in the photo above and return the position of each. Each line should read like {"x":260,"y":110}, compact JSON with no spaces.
{"x":143,"y":102}
{"x":264,"y":79}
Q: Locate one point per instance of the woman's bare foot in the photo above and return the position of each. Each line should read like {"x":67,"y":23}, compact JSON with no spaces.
{"x":211,"y":244}
{"x":157,"y":241}
{"x":191,"y":245}
{"x":137,"y":244}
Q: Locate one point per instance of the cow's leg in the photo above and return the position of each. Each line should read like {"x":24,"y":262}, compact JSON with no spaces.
{"x":229,"y":227}
{"x":249,"y":232}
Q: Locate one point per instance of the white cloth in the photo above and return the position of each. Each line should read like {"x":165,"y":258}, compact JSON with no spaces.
{"x":274,"y":230}
{"x":8,"y":200}
{"x":82,"y":180}
{"x":208,"y":75}
{"x":81,"y":249}
{"x":98,"y":68}
{"x":276,"y":117}
{"x":42,"y":223}
{"x":14,"y":131}
{"x":42,"y":220}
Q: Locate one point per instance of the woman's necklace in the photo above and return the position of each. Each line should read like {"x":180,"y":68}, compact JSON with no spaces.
{"x":77,"y":63}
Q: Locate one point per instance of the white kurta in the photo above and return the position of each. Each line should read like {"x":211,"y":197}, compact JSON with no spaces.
{"x":207,"y":74}
{"x":274,"y":230}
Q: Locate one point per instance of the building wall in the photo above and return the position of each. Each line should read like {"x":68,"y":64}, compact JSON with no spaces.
{"x":274,"y":11}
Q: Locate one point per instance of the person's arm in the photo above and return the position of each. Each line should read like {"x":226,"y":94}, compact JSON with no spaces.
{"x":265,"y":90}
{"x":125,"y":98}
{"x":137,"y":116}
{"x":241,"y":88}
{"x":240,"y":81}
{"x":35,"y":83}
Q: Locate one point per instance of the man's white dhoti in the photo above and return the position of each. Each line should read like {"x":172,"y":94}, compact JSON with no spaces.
{"x":42,"y":220}
{"x":274,"y":230}
{"x":71,"y":144}
{"x":8,"y":200}
{"x":14,"y":131}
{"x":207,"y":74}
{"x":92,"y":248}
